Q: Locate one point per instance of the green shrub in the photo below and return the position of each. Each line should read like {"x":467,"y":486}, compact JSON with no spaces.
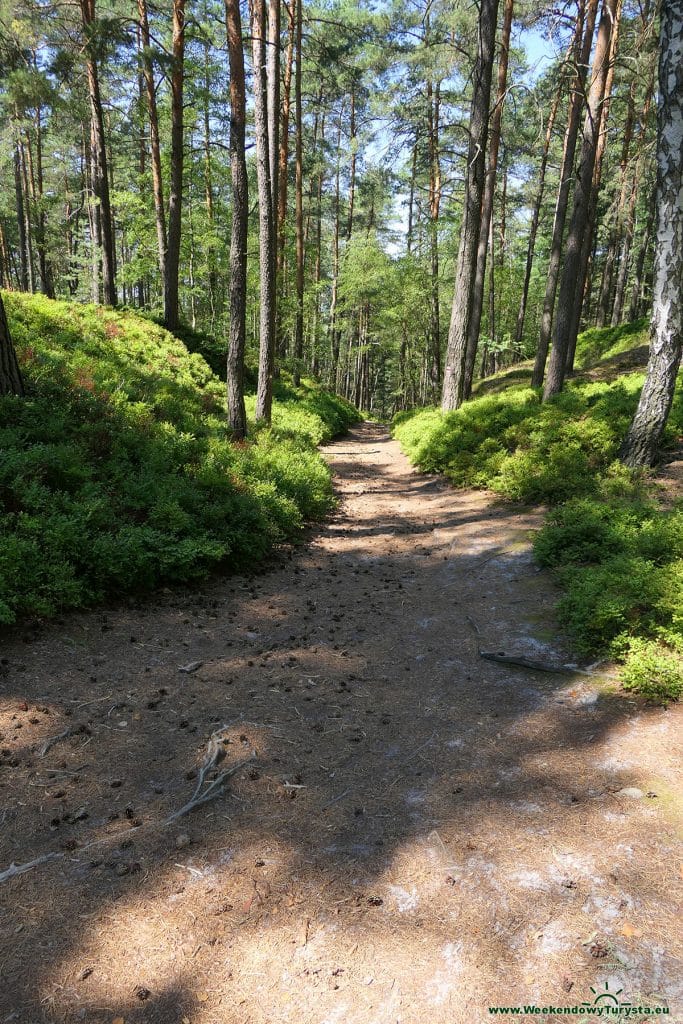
{"x":118,"y":471}
{"x":653,"y":671}
{"x":618,"y":557}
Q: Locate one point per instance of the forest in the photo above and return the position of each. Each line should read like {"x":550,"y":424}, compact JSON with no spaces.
{"x":341,"y":509}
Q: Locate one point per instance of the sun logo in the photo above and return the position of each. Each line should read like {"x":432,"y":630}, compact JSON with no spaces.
{"x":603,"y":996}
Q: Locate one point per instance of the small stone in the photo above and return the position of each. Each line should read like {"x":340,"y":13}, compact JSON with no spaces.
{"x":632,"y":792}
{"x":191,"y":666}
{"x":182,"y":841}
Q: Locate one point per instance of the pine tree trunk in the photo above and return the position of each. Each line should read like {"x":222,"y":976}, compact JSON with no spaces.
{"x":454,"y":372}
{"x":21,"y":223}
{"x":100,"y":179}
{"x":175,"y":195}
{"x":5,"y":271}
{"x":28,"y":230}
{"x":583,"y":287}
{"x":208,"y":182}
{"x":605,"y":300}
{"x":237,"y":417}
{"x":666,"y":337}
{"x":264,"y":392}
{"x":585,"y":16}
{"x":334,"y":332}
{"x":40,"y":219}
{"x":352,"y":167}
{"x":154,"y":144}
{"x":579,"y":222}
{"x":299,"y":210}
{"x":411,"y":200}
{"x":629,"y":223}
{"x":11,"y":382}
{"x":487,"y":202}
{"x":273,"y":62}
{"x":317,"y":273}
{"x":284,"y":137}
{"x":581,"y":307}
{"x":433,"y":110}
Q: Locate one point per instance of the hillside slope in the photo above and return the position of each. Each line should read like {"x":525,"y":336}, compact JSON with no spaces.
{"x":615,"y":547}
{"x":118,"y":472}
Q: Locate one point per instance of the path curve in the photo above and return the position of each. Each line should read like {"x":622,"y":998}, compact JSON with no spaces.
{"x":416,"y":834}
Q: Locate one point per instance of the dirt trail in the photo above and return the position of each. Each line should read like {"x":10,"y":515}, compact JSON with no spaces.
{"x":419,"y":834}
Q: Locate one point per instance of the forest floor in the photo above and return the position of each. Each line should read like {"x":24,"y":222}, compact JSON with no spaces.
{"x":411,"y":833}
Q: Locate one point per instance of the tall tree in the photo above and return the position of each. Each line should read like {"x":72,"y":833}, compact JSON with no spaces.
{"x":298,"y":198}
{"x":487,"y":201}
{"x":585,"y":23}
{"x":264,"y":392}
{"x":535,"y":217}
{"x":100,"y":170}
{"x":582,"y":287}
{"x":175,"y":196}
{"x":454,"y":371}
{"x":666,"y":333}
{"x":573,"y":280}
{"x":154,"y":141}
{"x":237,"y":417}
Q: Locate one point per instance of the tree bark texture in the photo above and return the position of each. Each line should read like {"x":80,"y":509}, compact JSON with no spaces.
{"x":579,"y":222}
{"x":644,"y":435}
{"x":586,"y":18}
{"x":487,"y":201}
{"x":237,"y":417}
{"x":11,"y":382}
{"x":175,"y":195}
{"x":264,"y":391}
{"x":454,"y":370}
{"x":100,"y":182}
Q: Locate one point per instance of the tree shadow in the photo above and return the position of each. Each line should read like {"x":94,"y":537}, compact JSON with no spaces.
{"x":403,"y":806}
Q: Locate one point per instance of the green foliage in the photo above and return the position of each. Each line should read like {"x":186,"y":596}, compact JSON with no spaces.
{"x":621,"y":563}
{"x":653,"y":670}
{"x":600,"y":344}
{"x":118,"y":471}
{"x":513,"y":444}
{"x":617,"y":555}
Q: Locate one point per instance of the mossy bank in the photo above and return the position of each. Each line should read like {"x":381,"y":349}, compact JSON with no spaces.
{"x":118,"y":473}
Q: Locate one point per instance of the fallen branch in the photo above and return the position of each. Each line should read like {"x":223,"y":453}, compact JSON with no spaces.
{"x":213,"y":790}
{"x":215,"y":752}
{"x":544,"y":666}
{"x":536,"y":666}
{"x":20,"y":869}
{"x":73,"y":730}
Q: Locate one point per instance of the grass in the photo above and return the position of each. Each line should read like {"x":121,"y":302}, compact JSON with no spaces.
{"x":617,"y":555}
{"x":118,"y":473}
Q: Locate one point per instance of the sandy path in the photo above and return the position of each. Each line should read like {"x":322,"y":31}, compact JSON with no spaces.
{"x":420,"y":834}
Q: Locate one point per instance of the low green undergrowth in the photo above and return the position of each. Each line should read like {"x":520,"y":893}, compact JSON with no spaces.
{"x":602,"y":344}
{"x":117,"y":470}
{"x":617,"y":555}
{"x":620,"y":563}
